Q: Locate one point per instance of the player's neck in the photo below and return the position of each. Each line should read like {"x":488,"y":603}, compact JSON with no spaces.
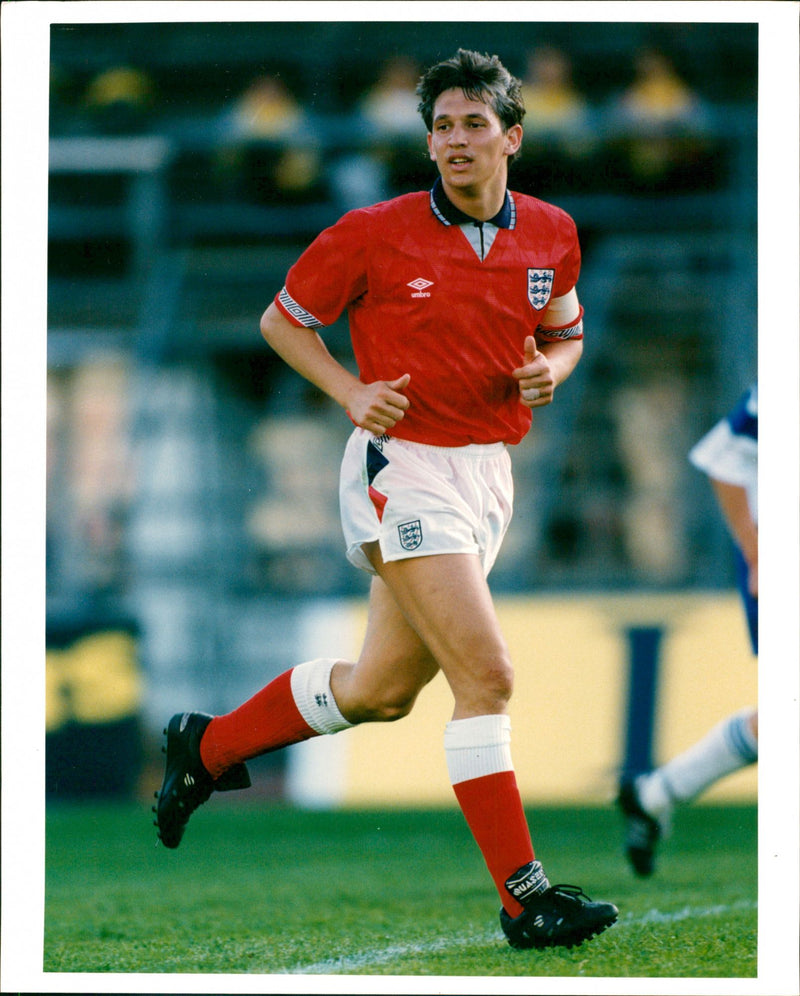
{"x":479,"y":203}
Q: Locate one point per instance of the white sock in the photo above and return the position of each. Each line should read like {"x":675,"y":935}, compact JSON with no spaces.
{"x":729,"y":746}
{"x":477,"y":746}
{"x":311,"y":688}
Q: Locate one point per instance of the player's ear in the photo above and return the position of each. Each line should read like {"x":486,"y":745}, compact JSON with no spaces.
{"x":431,"y":153}
{"x":513,"y":139}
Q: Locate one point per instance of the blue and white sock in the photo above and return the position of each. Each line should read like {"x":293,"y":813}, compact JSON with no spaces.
{"x":726,"y":748}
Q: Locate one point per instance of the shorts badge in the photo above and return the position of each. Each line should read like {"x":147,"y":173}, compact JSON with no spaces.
{"x":540,"y":285}
{"x":410,"y":534}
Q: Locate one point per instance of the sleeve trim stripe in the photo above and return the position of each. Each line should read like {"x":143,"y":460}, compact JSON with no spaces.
{"x":297,"y":312}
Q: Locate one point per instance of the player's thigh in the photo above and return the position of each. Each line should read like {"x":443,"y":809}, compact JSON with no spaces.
{"x":447,"y":602}
{"x":393,"y":666}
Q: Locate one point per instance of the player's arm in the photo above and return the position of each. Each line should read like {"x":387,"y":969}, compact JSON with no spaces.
{"x":552,"y":355}
{"x":562,"y":357}
{"x":735,"y":507}
{"x":560,"y":335}
{"x":376,"y":407}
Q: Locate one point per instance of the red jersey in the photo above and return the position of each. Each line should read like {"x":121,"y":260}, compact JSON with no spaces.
{"x":420,"y":300}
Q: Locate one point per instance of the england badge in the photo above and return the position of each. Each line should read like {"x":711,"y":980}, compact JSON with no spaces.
{"x":540,"y":285}
{"x":410,"y":534}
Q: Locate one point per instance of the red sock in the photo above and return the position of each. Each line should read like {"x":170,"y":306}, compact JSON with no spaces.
{"x":267,"y":721}
{"x":493,"y":809}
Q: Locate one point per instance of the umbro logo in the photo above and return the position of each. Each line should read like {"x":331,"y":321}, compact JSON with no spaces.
{"x":420,"y":285}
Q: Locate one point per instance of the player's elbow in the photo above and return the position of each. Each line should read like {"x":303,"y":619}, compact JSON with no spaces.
{"x":268,"y":322}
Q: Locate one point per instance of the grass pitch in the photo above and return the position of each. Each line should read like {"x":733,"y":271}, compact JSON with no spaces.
{"x":259,"y":888}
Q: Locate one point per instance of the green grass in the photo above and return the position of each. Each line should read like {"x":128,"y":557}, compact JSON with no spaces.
{"x":265,"y":889}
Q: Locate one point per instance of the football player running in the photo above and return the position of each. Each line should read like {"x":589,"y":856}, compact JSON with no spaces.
{"x":464,"y":318}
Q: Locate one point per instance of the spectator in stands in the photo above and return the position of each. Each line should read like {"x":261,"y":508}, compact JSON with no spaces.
{"x":263,"y":153}
{"x":292,"y":519}
{"x":658,"y":97}
{"x":659,"y":123}
{"x":390,"y":106}
{"x":120,"y":100}
{"x":559,"y":117}
{"x":388,"y":116}
{"x":266,"y":109}
{"x":553,"y":104}
{"x":89,"y":471}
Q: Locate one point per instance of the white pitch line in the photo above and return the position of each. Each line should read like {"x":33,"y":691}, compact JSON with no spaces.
{"x":656,"y":916}
{"x":367,"y":959}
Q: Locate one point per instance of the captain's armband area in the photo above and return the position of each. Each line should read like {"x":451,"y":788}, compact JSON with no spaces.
{"x":574,"y":330}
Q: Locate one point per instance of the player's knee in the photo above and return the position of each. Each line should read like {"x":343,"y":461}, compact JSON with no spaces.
{"x":393,"y":706}
{"x":489,"y":689}
{"x":385,"y":705}
{"x":499,"y":679}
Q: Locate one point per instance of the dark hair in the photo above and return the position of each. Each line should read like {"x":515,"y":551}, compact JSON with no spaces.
{"x":479,"y":77}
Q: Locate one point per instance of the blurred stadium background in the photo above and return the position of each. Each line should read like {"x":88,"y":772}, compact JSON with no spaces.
{"x":193,"y":543}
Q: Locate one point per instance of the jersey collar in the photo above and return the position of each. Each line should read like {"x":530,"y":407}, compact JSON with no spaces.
{"x":449,"y":214}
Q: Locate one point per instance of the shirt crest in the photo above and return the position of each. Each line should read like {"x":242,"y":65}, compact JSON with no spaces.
{"x":540,"y":286}
{"x":410,"y":534}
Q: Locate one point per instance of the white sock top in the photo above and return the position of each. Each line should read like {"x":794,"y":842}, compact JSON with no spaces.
{"x":311,"y":688}
{"x":477,"y":746}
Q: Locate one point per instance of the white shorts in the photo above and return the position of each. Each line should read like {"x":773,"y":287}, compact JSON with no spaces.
{"x":418,"y":500}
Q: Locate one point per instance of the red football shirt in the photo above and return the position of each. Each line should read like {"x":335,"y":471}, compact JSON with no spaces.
{"x":420,"y":301}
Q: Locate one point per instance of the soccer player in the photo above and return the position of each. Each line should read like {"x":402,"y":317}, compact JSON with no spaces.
{"x":464,"y":318}
{"x":728,"y":455}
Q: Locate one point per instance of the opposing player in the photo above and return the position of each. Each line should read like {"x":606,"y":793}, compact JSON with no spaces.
{"x":464,"y":317}
{"x":728,"y":455}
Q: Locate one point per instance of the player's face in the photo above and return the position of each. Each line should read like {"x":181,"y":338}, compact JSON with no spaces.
{"x":468,"y":143}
